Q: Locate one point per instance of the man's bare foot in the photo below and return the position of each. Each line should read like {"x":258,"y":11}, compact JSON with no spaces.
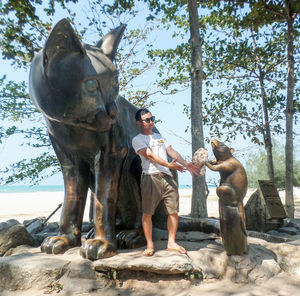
{"x":177,"y":248}
{"x":148,"y":252}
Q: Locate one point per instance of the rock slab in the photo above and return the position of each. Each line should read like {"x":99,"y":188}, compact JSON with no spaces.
{"x":14,"y":236}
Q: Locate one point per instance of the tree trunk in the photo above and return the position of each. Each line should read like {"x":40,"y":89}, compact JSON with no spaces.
{"x":289,"y":198}
{"x":199,"y":208}
{"x":266,"y":131}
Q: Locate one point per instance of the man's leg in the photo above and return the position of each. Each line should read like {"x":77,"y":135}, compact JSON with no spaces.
{"x":147,"y":227}
{"x":172,"y":228}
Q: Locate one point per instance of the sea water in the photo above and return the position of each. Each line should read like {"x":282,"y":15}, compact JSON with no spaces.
{"x":30,"y":188}
{"x":46,"y":188}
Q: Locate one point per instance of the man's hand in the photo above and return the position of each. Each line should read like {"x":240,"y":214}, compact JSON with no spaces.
{"x":193,"y":169}
{"x":173,"y":165}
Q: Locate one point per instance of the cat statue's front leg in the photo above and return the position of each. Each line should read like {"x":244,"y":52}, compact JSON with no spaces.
{"x":76,"y":187}
{"x":107,"y":177}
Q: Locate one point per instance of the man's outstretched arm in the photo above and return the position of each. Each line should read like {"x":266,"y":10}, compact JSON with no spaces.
{"x":193,"y":169}
{"x":147,"y":153}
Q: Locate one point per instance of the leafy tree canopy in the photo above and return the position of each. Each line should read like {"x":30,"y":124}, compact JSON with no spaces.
{"x":21,"y":28}
{"x":256,"y":166}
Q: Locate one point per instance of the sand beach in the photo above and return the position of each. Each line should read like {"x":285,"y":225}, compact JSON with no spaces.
{"x":29,"y":205}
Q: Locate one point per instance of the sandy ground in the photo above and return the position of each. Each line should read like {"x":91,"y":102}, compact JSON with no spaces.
{"x":25,"y":206}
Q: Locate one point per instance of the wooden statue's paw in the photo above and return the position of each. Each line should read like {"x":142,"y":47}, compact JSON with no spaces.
{"x":130,"y":239}
{"x":57,"y":244}
{"x":94,"y":249}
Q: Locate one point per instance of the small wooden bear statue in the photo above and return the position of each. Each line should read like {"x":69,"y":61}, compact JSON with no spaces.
{"x":232,"y":190}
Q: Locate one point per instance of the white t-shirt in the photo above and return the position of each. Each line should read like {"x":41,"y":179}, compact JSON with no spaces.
{"x":158,"y":146}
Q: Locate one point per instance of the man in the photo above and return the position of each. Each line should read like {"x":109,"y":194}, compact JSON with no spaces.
{"x":157,"y":183}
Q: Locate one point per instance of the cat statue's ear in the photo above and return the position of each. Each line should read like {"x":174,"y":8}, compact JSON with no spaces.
{"x":110,"y":42}
{"x":61,"y":41}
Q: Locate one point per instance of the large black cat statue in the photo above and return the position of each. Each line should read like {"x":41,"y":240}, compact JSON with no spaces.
{"x":75,"y":86}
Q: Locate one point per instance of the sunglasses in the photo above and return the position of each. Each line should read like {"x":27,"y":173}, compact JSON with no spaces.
{"x":152,"y":118}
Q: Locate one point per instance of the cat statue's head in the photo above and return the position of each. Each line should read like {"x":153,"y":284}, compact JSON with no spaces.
{"x":76,"y":83}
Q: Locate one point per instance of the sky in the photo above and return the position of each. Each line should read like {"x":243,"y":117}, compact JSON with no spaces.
{"x":168,"y":109}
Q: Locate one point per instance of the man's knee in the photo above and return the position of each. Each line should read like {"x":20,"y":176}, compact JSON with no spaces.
{"x":174,"y":215}
{"x":147,"y":217}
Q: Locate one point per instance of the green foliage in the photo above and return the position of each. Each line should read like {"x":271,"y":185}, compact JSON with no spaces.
{"x":34,"y":169}
{"x":133,"y":64}
{"x":268,"y":12}
{"x":256,"y":166}
{"x":244,"y":66}
{"x":54,"y":287}
{"x":15,"y":104}
{"x":22,"y":30}
{"x":173,"y":64}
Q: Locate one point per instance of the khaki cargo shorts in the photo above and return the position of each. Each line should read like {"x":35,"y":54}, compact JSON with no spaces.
{"x":156,"y":188}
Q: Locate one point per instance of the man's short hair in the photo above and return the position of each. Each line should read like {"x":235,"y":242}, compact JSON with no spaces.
{"x":139,"y":113}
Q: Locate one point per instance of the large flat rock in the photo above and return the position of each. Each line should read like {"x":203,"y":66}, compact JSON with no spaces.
{"x":24,"y":271}
{"x":162,"y":262}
